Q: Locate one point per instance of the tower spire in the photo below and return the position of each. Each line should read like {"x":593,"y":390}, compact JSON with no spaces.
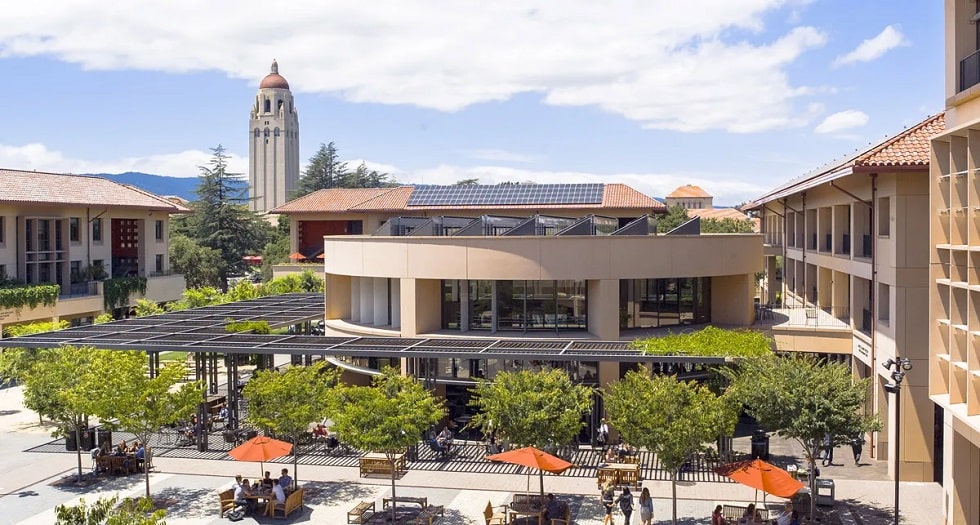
{"x":275,"y":67}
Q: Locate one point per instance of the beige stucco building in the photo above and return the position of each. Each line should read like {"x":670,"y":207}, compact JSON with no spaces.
{"x":273,"y":152}
{"x":954,"y":261}
{"x":70,"y":230}
{"x":852,"y":242}
{"x":690,"y":197}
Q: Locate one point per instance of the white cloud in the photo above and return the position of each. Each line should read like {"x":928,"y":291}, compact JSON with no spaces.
{"x":689,"y":66}
{"x":842,"y":120}
{"x":182,"y":164}
{"x":870,"y":49}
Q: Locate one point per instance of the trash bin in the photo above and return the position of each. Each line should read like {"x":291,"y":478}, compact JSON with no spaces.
{"x":825,"y":491}
{"x":88,"y":440}
{"x":760,"y":445}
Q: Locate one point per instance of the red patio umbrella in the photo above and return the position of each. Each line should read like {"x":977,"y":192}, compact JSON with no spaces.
{"x":296,"y":256}
{"x":533,"y":458}
{"x":762,"y":476}
{"x":261,"y":449}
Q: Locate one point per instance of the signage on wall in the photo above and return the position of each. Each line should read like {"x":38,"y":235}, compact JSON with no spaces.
{"x":863,"y":352}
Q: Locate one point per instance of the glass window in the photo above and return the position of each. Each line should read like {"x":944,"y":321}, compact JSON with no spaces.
{"x":481,"y":305}
{"x":159,"y":263}
{"x":2,"y":229}
{"x":97,"y":229}
{"x":571,"y":304}
{"x":158,"y":230}
{"x":451,"y":304}
{"x":73,"y":233}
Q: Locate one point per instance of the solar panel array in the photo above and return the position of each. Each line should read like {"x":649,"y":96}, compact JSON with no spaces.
{"x":506,"y":194}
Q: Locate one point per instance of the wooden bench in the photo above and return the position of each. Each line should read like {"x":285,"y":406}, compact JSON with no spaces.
{"x":421,"y":502}
{"x":226,"y":501}
{"x":534,"y":500}
{"x":293,"y":501}
{"x":361,"y":512}
{"x":429,"y":514}
{"x":378,"y":463}
{"x":734,"y":512}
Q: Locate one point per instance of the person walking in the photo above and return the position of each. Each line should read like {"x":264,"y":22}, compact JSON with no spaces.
{"x":828,"y":446}
{"x":625,"y":501}
{"x":857,"y":445}
{"x":646,"y":507}
{"x":608,"y":502}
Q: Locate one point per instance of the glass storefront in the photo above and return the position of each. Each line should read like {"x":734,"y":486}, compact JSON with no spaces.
{"x":519,"y":306}
{"x":654,"y":303}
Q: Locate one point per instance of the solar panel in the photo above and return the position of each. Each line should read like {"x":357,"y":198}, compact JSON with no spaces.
{"x":506,"y":194}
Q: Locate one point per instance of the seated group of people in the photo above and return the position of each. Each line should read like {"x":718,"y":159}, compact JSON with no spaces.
{"x":441,"y":443}
{"x":788,"y":516}
{"x":134,"y":454}
{"x":273,"y":489}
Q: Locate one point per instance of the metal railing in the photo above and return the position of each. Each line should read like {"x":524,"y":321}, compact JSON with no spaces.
{"x":804,"y":316}
{"x":79,"y":290}
{"x":970,"y":71}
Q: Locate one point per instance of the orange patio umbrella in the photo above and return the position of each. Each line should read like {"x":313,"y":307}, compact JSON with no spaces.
{"x":762,"y":476}
{"x":297,"y":255}
{"x":261,"y":449}
{"x":533,"y":458}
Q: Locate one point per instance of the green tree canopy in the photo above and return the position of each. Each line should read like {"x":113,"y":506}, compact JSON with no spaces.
{"x":105,"y":512}
{"x":131,"y":400}
{"x":326,"y":171}
{"x":726,"y":225}
{"x":671,"y":418}
{"x":710,"y":341}
{"x":287,"y":402}
{"x":803,"y":399}
{"x":389,"y":416}
{"x":676,"y":215}
{"x":526,"y":408}
{"x":200,"y":266}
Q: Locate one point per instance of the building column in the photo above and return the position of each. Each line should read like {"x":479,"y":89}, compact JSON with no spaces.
{"x":396,"y":305}
{"x":380,"y":301}
{"x":338,"y":296}
{"x":355,"y":299}
{"x":603,"y":308}
{"x":464,"y":301}
{"x":367,"y":300}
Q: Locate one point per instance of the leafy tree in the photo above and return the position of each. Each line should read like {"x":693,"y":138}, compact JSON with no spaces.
{"x":287,"y":402}
{"x":129,"y":399}
{"x":200,"y":266}
{"x":467,"y":182}
{"x":389,"y":416}
{"x":221,"y":220}
{"x":146,"y":307}
{"x":324,"y":171}
{"x":676,"y":215}
{"x":362,"y":177}
{"x":673,"y":419}
{"x":709,"y":341}
{"x":105,"y":512}
{"x":59,"y":384}
{"x":539,"y":409}
{"x":726,"y":225}
{"x":803,"y":399}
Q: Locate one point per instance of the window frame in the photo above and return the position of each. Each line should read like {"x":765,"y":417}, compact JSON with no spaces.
{"x":97,"y":229}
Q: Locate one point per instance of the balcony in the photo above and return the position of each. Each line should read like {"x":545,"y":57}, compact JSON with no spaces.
{"x":800,"y":317}
{"x":75,"y":290}
{"x":866,"y":246}
{"x":970,"y":71}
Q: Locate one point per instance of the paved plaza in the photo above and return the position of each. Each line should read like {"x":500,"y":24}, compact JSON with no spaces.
{"x":38,"y":475}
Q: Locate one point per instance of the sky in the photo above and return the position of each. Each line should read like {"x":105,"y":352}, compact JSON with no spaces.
{"x":736,"y":96}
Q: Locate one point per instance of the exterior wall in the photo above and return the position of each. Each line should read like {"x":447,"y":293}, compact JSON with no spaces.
{"x":273,"y":158}
{"x":874,"y":280}
{"x":731,"y":296}
{"x":85,"y":299}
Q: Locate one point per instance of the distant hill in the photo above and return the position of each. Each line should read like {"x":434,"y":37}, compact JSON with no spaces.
{"x":157,"y":184}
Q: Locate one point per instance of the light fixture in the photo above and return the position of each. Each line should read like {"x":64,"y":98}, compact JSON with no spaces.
{"x":888,"y":364}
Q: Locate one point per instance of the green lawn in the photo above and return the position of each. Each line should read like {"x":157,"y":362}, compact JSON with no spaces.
{"x":173,"y":356}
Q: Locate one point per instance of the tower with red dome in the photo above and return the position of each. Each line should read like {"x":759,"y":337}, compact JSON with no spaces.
{"x":273,"y":160}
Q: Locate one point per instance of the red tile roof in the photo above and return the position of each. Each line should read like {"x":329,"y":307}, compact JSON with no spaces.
{"x":717,"y":213}
{"x":32,"y":187}
{"x":688,"y":191}
{"x":908,"y":148}
{"x":614,"y":196}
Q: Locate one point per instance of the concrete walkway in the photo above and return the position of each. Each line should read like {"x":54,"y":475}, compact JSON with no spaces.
{"x":34,"y":483}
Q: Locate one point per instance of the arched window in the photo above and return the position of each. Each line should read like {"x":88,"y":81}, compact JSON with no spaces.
{"x":275,"y":132}
{"x":266,"y":132}
{"x":278,"y":105}
{"x":256,"y":132}
{"x":268,"y":105}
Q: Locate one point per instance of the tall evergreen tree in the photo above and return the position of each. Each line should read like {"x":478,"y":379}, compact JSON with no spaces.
{"x":221,"y":219}
{"x":324,"y":171}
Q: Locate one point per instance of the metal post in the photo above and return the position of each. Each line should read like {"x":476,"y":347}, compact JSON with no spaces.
{"x":898,"y":442}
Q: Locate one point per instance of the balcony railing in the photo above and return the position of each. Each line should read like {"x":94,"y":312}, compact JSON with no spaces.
{"x":970,"y":71}
{"x":80,"y":290}
{"x":804,"y":316}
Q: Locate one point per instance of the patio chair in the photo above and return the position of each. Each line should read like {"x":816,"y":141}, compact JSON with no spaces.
{"x":491,"y":517}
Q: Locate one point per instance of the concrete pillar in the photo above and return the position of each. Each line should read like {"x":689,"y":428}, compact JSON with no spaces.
{"x":603,"y":299}
{"x":355,"y":299}
{"x":338,"y":296}
{"x":464,"y":303}
{"x":396,"y":304}
{"x":367,"y":300}
{"x":380,"y":301}
{"x":731,"y":299}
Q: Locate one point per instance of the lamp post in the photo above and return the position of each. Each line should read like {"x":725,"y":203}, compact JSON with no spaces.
{"x":898,"y":367}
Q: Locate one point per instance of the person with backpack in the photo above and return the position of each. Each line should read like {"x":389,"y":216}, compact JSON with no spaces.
{"x":625,"y":501}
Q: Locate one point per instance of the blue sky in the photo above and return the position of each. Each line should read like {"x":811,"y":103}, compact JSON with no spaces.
{"x":737,"y":96}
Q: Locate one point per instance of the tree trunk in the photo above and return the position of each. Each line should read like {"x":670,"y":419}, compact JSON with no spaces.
{"x":78,"y":450}
{"x":394,"y":502}
{"x":812,"y":460}
{"x":673,"y":495}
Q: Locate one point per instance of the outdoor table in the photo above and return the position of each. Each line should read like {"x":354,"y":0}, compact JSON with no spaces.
{"x":266,"y":495}
{"x":525,"y":509}
{"x":622,"y":472}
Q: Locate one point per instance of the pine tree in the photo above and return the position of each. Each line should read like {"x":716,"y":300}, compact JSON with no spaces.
{"x":324,"y":171}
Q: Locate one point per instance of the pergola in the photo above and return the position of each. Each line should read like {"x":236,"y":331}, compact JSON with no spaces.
{"x":202,"y":331}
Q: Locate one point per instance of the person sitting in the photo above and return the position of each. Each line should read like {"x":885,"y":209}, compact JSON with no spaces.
{"x":121,"y":449}
{"x":280,"y":499}
{"x":786,"y":516}
{"x":319,"y":432}
{"x":267,"y":481}
{"x":140,"y":455}
{"x":285,"y":481}
{"x":445,"y":438}
{"x":242,"y":491}
{"x":223,"y":413}
{"x":610,"y":456}
{"x":717,"y":517}
{"x":751,"y":515}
